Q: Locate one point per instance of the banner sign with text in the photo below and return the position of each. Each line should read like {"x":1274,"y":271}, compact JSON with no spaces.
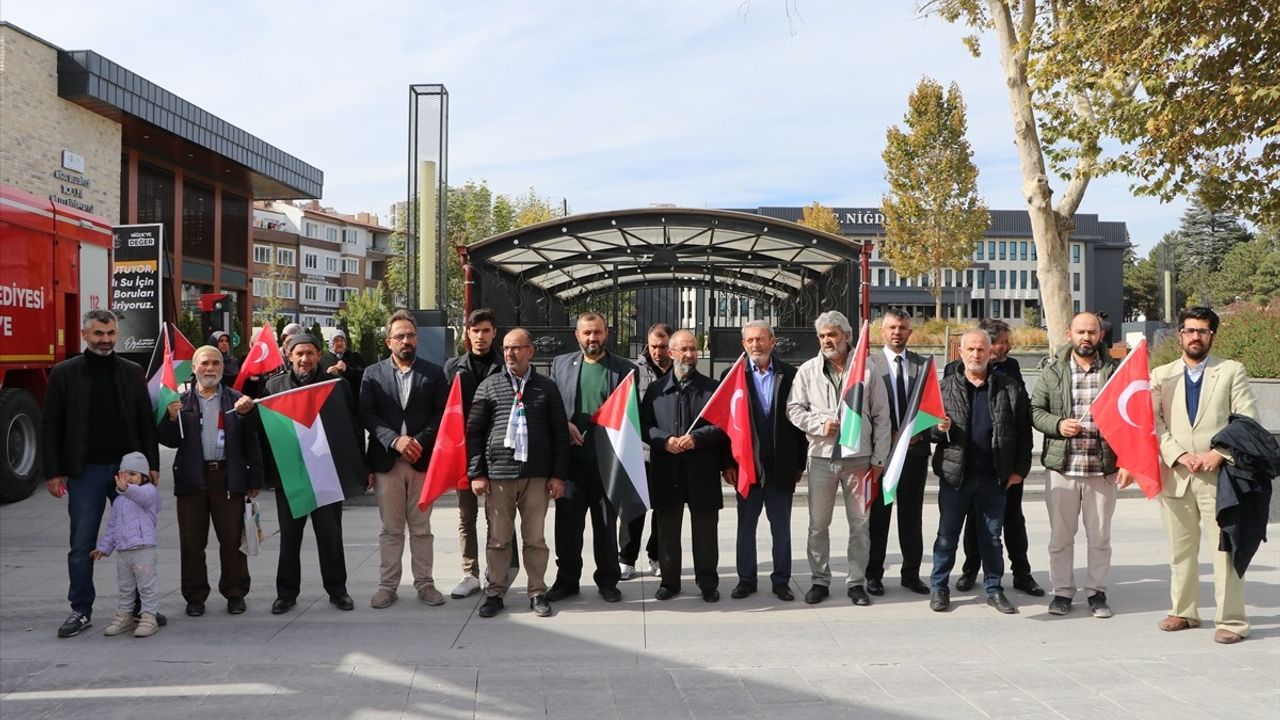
{"x":136,"y":296}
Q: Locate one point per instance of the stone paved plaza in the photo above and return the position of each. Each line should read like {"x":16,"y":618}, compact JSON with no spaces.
{"x":638,"y":659}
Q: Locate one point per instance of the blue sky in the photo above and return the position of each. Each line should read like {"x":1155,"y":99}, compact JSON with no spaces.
{"x":608,"y":104}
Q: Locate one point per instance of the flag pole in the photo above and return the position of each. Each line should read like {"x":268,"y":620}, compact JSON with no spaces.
{"x":704,"y":407}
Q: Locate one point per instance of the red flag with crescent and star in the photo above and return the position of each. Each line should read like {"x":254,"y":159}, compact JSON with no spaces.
{"x":730,"y":410}
{"x":263,"y":357}
{"x":1126,"y":418}
{"x":447,"y":469}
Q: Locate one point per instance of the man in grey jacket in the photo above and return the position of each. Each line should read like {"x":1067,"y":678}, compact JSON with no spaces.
{"x":517,"y":459}
{"x":816,"y":407}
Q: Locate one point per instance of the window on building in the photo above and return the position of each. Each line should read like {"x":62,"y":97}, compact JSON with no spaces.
{"x":235,"y":230}
{"x":968,"y":278}
{"x":310,"y":229}
{"x":1002,"y":279}
{"x":1035,"y":281}
{"x":1022,"y":279}
{"x":1033,"y":251}
{"x":1022,"y":250}
{"x":979,"y":254}
{"x":262,"y":254}
{"x":1003,"y":250}
{"x":1075,"y":306}
{"x":991,"y":249}
{"x":197,"y":221}
{"x":309,"y":292}
{"x":351,"y":266}
{"x":1075,"y":282}
{"x":880,"y":277}
{"x":331,"y":234}
{"x":350,"y":236}
{"x":982,"y":278}
{"x":262,"y":287}
{"x":1017,"y":308}
{"x":331,"y":295}
{"x":331,"y":264}
{"x":286,"y":257}
{"x":310,"y":261}
{"x":286,"y":289}
{"x":995,"y":308}
{"x":1075,"y":252}
{"x":1008,"y":308}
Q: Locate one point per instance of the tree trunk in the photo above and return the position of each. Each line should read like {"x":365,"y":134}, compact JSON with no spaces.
{"x":937,"y":292}
{"x":1049,"y":234}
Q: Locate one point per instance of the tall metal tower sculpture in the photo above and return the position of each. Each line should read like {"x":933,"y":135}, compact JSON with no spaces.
{"x":427,"y":201}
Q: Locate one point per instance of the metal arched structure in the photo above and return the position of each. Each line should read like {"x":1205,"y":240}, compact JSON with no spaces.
{"x":538,"y":275}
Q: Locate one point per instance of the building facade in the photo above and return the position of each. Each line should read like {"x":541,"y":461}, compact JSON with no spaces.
{"x":308,"y":260}
{"x":86,"y":132}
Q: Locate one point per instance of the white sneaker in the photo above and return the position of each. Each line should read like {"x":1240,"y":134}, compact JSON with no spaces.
{"x":468,"y":585}
{"x":121,"y":623}
{"x":628,"y":571}
{"x":654,"y":568}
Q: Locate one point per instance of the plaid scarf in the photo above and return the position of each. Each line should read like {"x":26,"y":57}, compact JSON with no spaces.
{"x":517,"y":437}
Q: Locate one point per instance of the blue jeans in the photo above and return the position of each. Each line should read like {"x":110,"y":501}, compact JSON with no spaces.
{"x":777,"y":507}
{"x":87,"y":499}
{"x":987,"y":497}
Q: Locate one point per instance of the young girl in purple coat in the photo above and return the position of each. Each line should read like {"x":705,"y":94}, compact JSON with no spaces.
{"x":131,"y":531}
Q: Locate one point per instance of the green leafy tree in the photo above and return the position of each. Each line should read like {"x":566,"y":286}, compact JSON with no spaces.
{"x":1072,"y":69}
{"x":470,"y":220}
{"x":1142,"y":290}
{"x":819,"y":217}
{"x":933,"y":214}
{"x":1205,"y":236}
{"x":1250,"y":272}
{"x":396,"y":278}
{"x":318,"y":333}
{"x":504,"y":215}
{"x":365,"y":317}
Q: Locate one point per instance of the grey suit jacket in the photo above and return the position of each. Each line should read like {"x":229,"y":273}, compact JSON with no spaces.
{"x":915,"y":370}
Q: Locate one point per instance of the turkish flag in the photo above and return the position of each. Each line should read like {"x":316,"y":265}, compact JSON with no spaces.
{"x":263,"y":357}
{"x":447,"y":469}
{"x":1126,"y":418}
{"x":730,"y":410}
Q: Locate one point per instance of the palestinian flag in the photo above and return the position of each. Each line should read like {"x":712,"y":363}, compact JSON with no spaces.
{"x":620,"y":452}
{"x":855,"y":384}
{"x":167,"y":391}
{"x":177,"y":356}
{"x":924,"y":410}
{"x":312,"y":438}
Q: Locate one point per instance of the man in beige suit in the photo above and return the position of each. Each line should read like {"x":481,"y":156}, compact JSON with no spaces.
{"x":1194,"y":396}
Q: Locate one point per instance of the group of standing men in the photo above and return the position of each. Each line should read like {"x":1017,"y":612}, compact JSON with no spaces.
{"x":530,"y":440}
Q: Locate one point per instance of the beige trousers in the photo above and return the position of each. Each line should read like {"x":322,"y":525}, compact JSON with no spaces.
{"x":1183,"y":519}
{"x":398,"y":492}
{"x":505,"y":498}
{"x":1070,"y":499}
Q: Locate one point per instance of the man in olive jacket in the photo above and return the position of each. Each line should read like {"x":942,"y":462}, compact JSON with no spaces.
{"x":984,"y":446}
{"x":1082,"y":466}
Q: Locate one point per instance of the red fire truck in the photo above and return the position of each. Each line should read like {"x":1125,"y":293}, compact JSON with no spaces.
{"x":55,"y":264}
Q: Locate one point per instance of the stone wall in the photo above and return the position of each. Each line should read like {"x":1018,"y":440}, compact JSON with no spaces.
{"x":36,"y":126}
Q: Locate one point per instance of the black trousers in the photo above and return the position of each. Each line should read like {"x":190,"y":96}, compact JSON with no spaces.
{"x":1015,"y":536}
{"x":326,"y":525}
{"x":629,"y":540}
{"x":586,"y":497}
{"x":706,"y":547}
{"x":197,"y":509}
{"x":910,"y":504}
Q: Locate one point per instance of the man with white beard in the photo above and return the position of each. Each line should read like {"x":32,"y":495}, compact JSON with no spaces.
{"x":218,"y":465}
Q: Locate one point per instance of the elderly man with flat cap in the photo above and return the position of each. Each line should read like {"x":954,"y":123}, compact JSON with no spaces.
{"x":303,"y":352}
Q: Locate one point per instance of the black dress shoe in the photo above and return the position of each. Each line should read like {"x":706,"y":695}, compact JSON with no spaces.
{"x":816,"y":594}
{"x":342,"y":602}
{"x":915,"y":586}
{"x":611,"y":594}
{"x":195,"y":608}
{"x":161,"y":620}
{"x":710,"y":596}
{"x":282,"y":605}
{"x":491,"y":606}
{"x":966,"y":581}
{"x":1028,"y":585}
{"x":875,"y":587}
{"x":940,"y":601}
{"x":998,"y":601}
{"x":742,"y":590}
{"x":784,"y":592}
{"x":858,"y":596}
{"x":235,"y":606}
{"x":558,"y":592}
{"x":664,"y":593}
